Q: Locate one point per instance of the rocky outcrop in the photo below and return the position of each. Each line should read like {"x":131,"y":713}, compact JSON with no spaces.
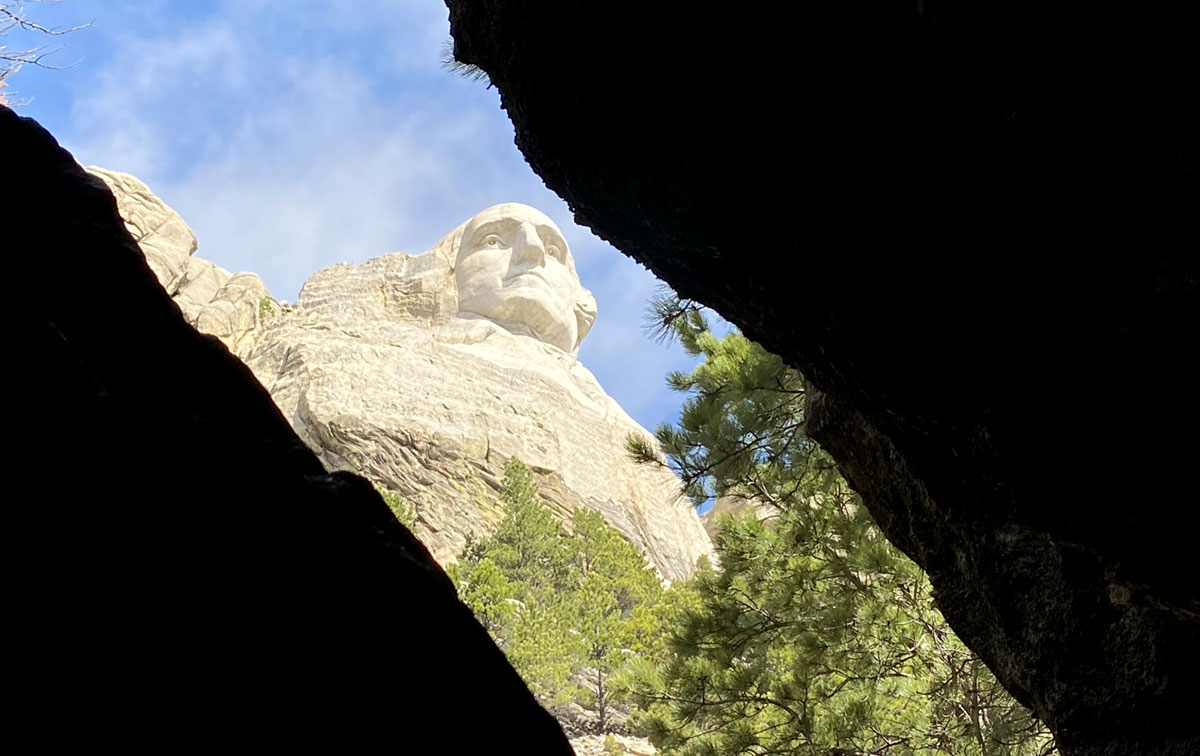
{"x":432,"y":407}
{"x":215,"y":301}
{"x":972,"y":228}
{"x":612,"y":745}
{"x":182,"y":569}
{"x":165,"y":238}
{"x":379,"y":375}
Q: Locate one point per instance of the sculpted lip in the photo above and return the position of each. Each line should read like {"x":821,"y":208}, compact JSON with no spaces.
{"x":533,"y":272}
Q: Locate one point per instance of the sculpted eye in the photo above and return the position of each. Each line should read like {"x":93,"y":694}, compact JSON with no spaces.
{"x":492,"y":241}
{"x":554,"y":252}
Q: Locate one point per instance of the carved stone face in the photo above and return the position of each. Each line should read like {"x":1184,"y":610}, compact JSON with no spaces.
{"x":514,"y":268}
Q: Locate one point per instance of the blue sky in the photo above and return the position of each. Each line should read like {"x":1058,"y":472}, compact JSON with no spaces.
{"x":292,"y":135}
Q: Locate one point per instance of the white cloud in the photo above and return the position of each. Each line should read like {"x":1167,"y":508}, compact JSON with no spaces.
{"x":332,"y":133}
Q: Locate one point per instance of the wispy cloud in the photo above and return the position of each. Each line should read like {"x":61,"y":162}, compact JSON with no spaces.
{"x":327,"y":132}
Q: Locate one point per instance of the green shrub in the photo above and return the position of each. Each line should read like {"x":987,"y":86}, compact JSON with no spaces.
{"x":406,"y":514}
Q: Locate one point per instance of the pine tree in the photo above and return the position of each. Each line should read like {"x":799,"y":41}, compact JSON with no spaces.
{"x":815,"y":636}
{"x":529,"y":545}
{"x":613,"y":580}
{"x":514,"y":582}
{"x":406,"y":514}
{"x":563,"y":607}
{"x":489,"y":594}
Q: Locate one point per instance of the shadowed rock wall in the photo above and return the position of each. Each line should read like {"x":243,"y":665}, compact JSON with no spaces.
{"x":973,"y":227}
{"x":181,"y":569}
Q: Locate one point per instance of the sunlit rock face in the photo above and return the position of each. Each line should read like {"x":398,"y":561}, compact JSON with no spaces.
{"x":227,"y":305}
{"x":425,"y":373}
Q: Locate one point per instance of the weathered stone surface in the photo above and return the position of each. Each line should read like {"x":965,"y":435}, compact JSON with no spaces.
{"x":202,"y":280}
{"x":234,"y":313}
{"x":380,"y":374}
{"x":182,"y":571}
{"x":426,"y":373}
{"x":164,"y":237}
{"x":612,"y":745}
{"x":230,"y":307}
{"x":973,"y":227}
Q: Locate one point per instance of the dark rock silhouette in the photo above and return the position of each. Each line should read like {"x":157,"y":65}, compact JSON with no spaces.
{"x":973,"y":227}
{"x":181,"y":569}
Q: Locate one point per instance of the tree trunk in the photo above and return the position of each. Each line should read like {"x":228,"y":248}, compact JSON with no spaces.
{"x":601,"y":704}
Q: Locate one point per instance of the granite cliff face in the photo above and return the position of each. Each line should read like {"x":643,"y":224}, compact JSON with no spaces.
{"x":433,"y":413}
{"x":379,"y":375}
{"x":215,"y":301}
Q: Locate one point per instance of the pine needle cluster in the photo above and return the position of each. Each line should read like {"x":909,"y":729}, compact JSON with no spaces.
{"x":568,"y":609}
{"x":815,"y":635}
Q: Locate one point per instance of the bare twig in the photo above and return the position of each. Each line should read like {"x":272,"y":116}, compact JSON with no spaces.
{"x":13,"y":17}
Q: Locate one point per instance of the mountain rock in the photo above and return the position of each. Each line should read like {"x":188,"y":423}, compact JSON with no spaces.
{"x":612,"y":745}
{"x":165,"y":238}
{"x":382,"y":370}
{"x":215,"y":301}
{"x":433,"y":413}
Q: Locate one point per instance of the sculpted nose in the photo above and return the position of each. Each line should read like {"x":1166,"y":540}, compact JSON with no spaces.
{"x":528,"y":246}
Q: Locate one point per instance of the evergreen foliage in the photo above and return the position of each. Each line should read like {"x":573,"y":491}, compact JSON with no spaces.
{"x":406,"y":514}
{"x":568,"y":609}
{"x":815,"y":636}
